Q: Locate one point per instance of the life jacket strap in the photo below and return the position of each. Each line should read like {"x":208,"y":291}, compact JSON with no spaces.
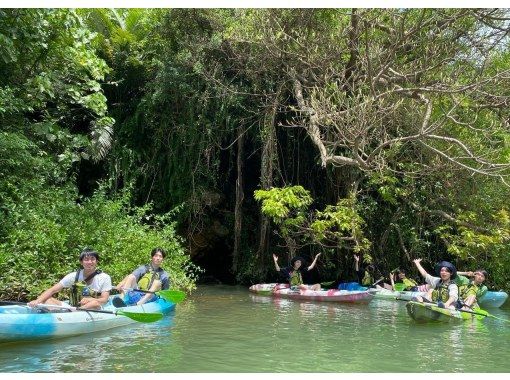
{"x":75,"y":296}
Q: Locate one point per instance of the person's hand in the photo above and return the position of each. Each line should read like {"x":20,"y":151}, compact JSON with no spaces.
{"x":416,"y":261}
{"x":317,"y":255}
{"x":275,"y":258}
{"x":356,"y":257}
{"x":86,"y":300}
{"x":470,"y":274}
{"x":34,"y":303}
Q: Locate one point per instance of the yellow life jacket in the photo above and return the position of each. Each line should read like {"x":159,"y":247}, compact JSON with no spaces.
{"x":145,"y":282}
{"x":367,"y":279}
{"x":295,"y":278}
{"x":441,"y":292}
{"x":468,"y":289}
{"x":409,"y":283}
{"x":82,"y":289}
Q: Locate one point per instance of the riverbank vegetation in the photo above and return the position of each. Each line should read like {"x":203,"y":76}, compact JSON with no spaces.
{"x":228,"y":135}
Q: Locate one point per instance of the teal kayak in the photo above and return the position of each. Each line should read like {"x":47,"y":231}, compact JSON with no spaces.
{"x":23,"y":323}
{"x":493,"y":299}
{"x":421,"y":312}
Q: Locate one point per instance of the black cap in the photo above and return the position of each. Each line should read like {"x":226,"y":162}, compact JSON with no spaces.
{"x":445,"y":264}
{"x":294,"y":259}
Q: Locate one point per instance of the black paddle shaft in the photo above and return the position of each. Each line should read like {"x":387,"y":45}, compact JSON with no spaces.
{"x":97,"y":311}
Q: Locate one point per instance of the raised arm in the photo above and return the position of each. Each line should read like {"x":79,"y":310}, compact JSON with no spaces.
{"x":275,"y":259}
{"x":392,"y":280}
{"x":312,"y":265}
{"x":356,"y":263}
{"x":422,"y":271}
{"x":469,"y":274}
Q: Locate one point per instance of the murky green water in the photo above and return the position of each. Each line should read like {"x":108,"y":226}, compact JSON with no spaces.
{"x":227,"y":329}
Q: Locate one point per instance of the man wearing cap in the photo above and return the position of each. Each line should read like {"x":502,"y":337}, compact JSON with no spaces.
{"x":90,"y":287}
{"x":293,"y":274}
{"x":443,"y":289}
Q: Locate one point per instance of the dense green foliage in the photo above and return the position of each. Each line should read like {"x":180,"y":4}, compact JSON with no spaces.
{"x":53,"y":115}
{"x":50,"y":228}
{"x":337,"y":226}
{"x":378,"y":131}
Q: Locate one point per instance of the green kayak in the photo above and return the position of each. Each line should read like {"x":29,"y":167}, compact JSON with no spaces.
{"x":431,"y":313}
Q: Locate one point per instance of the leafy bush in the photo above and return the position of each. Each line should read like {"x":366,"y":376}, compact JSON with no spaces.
{"x":50,"y":229}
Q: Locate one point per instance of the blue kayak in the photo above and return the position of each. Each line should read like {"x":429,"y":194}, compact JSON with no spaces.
{"x":23,"y":323}
{"x":493,"y":299}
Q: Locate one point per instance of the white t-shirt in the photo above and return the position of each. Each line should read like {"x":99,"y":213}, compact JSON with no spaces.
{"x":100,"y":283}
{"x":453,"y":289}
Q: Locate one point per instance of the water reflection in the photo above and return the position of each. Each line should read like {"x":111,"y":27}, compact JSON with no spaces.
{"x":97,"y":352}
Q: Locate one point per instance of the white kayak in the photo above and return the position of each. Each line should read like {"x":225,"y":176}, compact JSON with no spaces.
{"x":23,"y":323}
{"x":394,"y":294}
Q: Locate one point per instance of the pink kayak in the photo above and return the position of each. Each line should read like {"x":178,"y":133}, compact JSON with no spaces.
{"x":330,"y":295}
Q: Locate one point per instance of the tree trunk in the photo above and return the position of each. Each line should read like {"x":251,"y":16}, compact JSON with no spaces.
{"x":238,"y":212}
{"x":269,"y":156}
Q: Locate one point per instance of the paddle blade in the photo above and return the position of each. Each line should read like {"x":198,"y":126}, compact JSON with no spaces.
{"x":174,"y":296}
{"x":487,"y":314}
{"x":141,"y":317}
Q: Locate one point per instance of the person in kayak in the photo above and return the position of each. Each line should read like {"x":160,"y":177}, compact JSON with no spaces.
{"x":443,"y":289}
{"x":90,"y":287}
{"x":294,"y":273}
{"x":365,"y":275}
{"x":470,"y":291}
{"x":408,"y":283}
{"x":150,"y":277}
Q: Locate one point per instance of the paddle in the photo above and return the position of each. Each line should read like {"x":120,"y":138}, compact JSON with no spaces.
{"x":477,"y":312}
{"x":487,"y":314}
{"x":139,"y":317}
{"x":174,"y":296}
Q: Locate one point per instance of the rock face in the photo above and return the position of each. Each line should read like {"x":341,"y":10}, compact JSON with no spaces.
{"x":209,"y":245}
{"x":206,"y":239}
{"x":210,"y":249}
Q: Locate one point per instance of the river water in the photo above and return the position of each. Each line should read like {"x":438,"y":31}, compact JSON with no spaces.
{"x":227,"y":329}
